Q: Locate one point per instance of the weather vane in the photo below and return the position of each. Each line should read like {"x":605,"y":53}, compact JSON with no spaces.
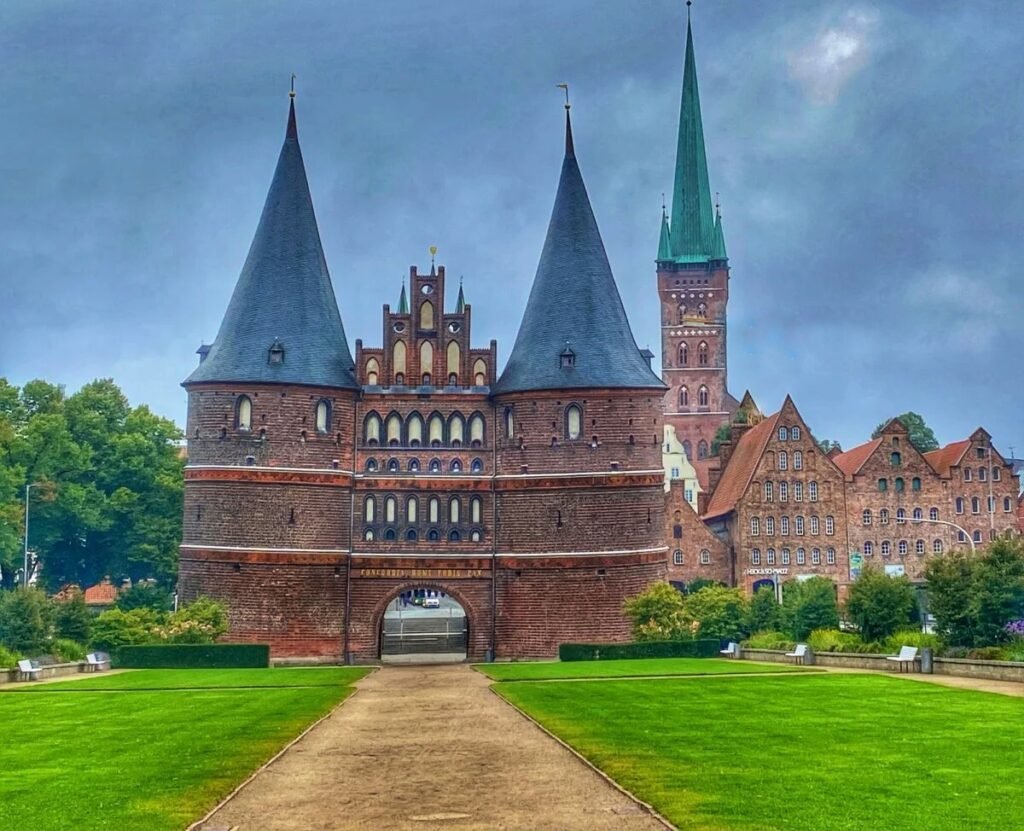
{"x":433,"y":251}
{"x":566,"y":88}
{"x":291,"y":94}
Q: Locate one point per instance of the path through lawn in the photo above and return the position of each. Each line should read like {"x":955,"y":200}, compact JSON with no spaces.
{"x":153,"y":758}
{"x":827,"y":752}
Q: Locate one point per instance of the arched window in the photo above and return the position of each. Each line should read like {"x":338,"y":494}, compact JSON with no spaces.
{"x":799,"y":523}
{"x":975,"y":505}
{"x":702,"y":353}
{"x":959,"y":504}
{"x":755,"y":526}
{"x":801,"y":556}
{"x":798,"y":491}
{"x":510,"y":423}
{"x":412,"y":510}
{"x":702,"y":449}
{"x":243,"y":413}
{"x":785,"y":556}
{"x":996,"y":475}
{"x":755,"y":557}
{"x":573,"y":422}
{"x":475,"y":535}
{"x":918,"y":514}
{"x":414,"y":430}
{"x":982,"y":474}
{"x":414,"y":465}
{"x":783,"y":460}
{"x":433,"y":535}
{"x":1007,"y":504}
{"x":371,"y":429}
{"x":688,"y":449}
{"x":476,"y":431}
{"x":812,"y":491}
{"x":883,"y":516}
{"x":394,"y":430}
{"x":684,"y":354}
{"x":769,"y":557}
{"x":883,"y":485}
{"x":372,"y":372}
{"x":323,"y":415}
{"x":869,"y":549}
{"x":919,"y":547}
{"x":454,"y":510}
{"x":702,"y":310}
{"x":476,"y":466}
{"x":426,"y":316}
{"x":398,"y":360}
{"x":968,"y":474}
{"x":702,"y":397}
{"x":798,"y":459}
{"x":456,"y":430}
{"x":454,"y":535}
{"x":769,"y":526}
{"x":937,"y":546}
{"x":682,"y":314}
{"x":370,"y":509}
{"x":933,"y":514}
{"x":392,"y":465}
{"x":705,"y":557}
{"x":368,"y":536}
{"x":898,"y":483}
{"x":390,"y":534}
{"x":795,"y":433}
{"x":411,"y":535}
{"x":886,"y":548}
{"x":915,"y":483}
{"x":783,"y":434}
{"x":390,"y":509}
{"x":784,"y":526}
{"x":866,"y":516}
{"x":903,"y":548}
{"x":769,"y":492}
{"x":480,"y":372}
{"x":434,"y":510}
{"x":830,"y":525}
{"x":783,"y":491}
{"x":677,"y":557}
{"x":901,"y":516}
{"x":435,"y":465}
{"x":976,"y":536}
{"x":677,"y":532}
{"x":435,"y":431}
{"x":895,"y":459}
{"x":455,"y":466}
{"x":476,"y":510}
{"x":684,"y":397}
{"x":454,"y":361}
{"x":830,"y":556}
{"x":426,"y":361}
{"x":371,"y":465}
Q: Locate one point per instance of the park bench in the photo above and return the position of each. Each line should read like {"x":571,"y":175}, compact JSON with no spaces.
{"x":799,"y":655}
{"x":96,"y":661}
{"x":906,"y":657}
{"x":28,"y":670}
{"x":731,"y":651}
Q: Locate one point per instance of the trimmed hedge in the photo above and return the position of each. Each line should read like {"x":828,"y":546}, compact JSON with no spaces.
{"x":705,"y":648}
{"x":193,"y":656}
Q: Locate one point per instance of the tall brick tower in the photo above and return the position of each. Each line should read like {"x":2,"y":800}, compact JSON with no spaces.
{"x":693,"y":287}
{"x":578,"y":475}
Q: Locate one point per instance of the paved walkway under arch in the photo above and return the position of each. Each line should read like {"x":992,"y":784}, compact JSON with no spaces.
{"x":428,"y":747}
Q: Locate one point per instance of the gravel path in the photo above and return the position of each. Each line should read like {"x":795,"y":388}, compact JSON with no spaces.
{"x":423,"y":748}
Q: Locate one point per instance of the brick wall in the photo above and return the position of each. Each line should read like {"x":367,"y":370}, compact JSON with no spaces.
{"x":687,"y":534}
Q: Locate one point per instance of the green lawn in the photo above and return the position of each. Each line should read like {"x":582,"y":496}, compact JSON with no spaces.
{"x":816,"y":752}
{"x":550,"y":670}
{"x":153,"y":758}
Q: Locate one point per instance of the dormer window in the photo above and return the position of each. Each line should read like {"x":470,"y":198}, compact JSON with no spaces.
{"x":275,"y":355}
{"x":567,"y":358}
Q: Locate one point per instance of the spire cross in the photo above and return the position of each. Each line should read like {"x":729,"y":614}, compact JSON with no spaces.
{"x":291,"y":93}
{"x":566,"y":88}
{"x":718,"y":204}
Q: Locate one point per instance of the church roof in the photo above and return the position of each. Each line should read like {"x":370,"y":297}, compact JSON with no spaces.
{"x":283,"y":296}
{"x":574,"y":333}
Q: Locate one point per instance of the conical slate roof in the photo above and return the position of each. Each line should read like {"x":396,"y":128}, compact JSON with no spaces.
{"x":574,"y":333}
{"x":283,"y":296}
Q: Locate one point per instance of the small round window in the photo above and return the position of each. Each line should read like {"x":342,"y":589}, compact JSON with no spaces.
{"x":426,"y":288}
{"x":399,"y":327}
{"x":454,"y":327}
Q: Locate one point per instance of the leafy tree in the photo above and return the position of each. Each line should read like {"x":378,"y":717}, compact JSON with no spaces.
{"x":26,"y":620}
{"x":720,"y":612}
{"x":879,"y":604}
{"x":700,"y":583}
{"x":826,"y":446}
{"x":73,"y":619}
{"x":113,"y":629}
{"x":765,"y":614}
{"x":950,"y":581}
{"x":920,"y":434}
{"x":145,"y":596}
{"x":723,"y":433}
{"x":659,"y":613}
{"x":808,"y":605}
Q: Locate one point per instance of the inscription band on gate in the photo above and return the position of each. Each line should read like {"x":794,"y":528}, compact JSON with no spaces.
{"x":422,"y":573}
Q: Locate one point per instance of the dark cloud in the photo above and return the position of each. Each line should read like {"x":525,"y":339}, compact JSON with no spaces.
{"x":868,"y":158}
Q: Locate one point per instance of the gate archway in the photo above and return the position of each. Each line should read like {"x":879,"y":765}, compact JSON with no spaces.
{"x":423,"y":624}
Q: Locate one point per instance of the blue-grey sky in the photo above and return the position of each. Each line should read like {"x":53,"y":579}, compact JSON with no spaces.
{"x":869,"y":158}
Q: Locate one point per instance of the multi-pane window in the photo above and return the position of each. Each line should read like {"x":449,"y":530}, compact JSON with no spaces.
{"x":783,"y":460}
{"x":702,"y":397}
{"x":798,"y":522}
{"x":919,"y":547}
{"x":783,"y":491}
{"x":769,"y":492}
{"x":886,"y":548}
{"x":812,"y":491}
{"x":795,"y":434}
{"x":783,"y":434}
{"x":705,"y":557}
{"x":798,"y":491}
{"x":869,"y":548}
{"x":918,"y":514}
{"x":770,"y":554}
{"x":755,"y":526}
{"x":801,"y":556}
{"x":784,"y":526}
{"x":785,"y":556}
{"x":883,"y":516}
{"x":903,"y":547}
{"x":755,"y":557}
{"x":830,"y":556}
{"x":677,"y":557}
{"x":901,"y":516}
{"x":933,"y":514}
{"x":815,"y":527}
{"x":866,"y":516}
{"x":769,"y":526}
{"x":798,"y":459}
{"x":816,"y":556}
{"x":937,"y":546}
{"x":830,"y":525}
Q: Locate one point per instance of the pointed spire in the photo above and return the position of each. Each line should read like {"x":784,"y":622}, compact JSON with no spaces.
{"x":693,"y":223}
{"x":282,"y":324}
{"x":460,"y":304}
{"x":718,"y":252}
{"x":574,"y":300}
{"x":403,"y":301}
{"x":665,"y":241}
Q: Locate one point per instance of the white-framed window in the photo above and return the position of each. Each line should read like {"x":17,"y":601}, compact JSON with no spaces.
{"x":977,"y":536}
{"x":812,"y":491}
{"x":677,"y":557}
{"x":919,"y":547}
{"x":996,"y":474}
{"x":770,"y":556}
{"x":323,"y":415}
{"x":937,"y":546}
{"x":784,"y":526}
{"x":903,"y":547}
{"x":815,"y":556}
{"x":886,"y":548}
{"x":801,"y":556}
{"x":982,"y":474}
{"x":959,"y":504}
{"x":866,"y":516}
{"x":830,"y":556}
{"x":798,"y":459}
{"x":783,"y":491}
{"x":390,"y":509}
{"x":815,"y":526}
{"x":243,"y":413}
{"x":769,"y":492}
{"x":755,"y":526}
{"x":794,"y":433}
{"x":702,"y":400}
{"x":883,"y":516}
{"x":901,"y":516}
{"x":705,"y":557}
{"x":830,"y":525}
{"x":1007,"y":505}
{"x":869,"y":548}
{"x":798,"y":523}
{"x":783,"y":460}
{"x":755,"y":557}
{"x":769,"y":526}
{"x":783,"y":434}
{"x":573,"y":422}
{"x":918,"y":514}
{"x":967,"y":474}
{"x":975,"y":505}
{"x":933,"y":514}
{"x":785,"y":556}
{"x":798,"y":491}
{"x":991,"y":504}
{"x":368,"y":536}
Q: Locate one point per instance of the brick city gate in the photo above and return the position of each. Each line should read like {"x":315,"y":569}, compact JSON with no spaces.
{"x":424,"y":622}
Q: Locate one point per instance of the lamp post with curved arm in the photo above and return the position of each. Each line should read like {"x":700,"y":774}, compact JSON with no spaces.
{"x":961,"y":529}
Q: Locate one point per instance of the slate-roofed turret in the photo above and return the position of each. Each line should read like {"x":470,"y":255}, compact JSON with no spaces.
{"x":283,"y":298}
{"x":574,"y":333}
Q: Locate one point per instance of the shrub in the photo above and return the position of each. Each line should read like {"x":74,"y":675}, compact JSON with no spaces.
{"x":879,"y":604}
{"x":145,"y":596}
{"x":833,"y":640}
{"x":193,"y":656}
{"x":769,"y":640}
{"x":8,"y":658}
{"x":764,"y":614}
{"x":646,"y":649}
{"x":809,"y":605}
{"x":988,"y":653}
{"x":201,"y":622}
{"x":114,"y":629}
{"x":73,"y":619}
{"x":949,"y":597}
{"x":720,"y":612}
{"x":67,"y":651}
{"x":1015,"y":650}
{"x":701,"y":583}
{"x":913,"y":637}
{"x":659,"y":613}
{"x":26,"y":620}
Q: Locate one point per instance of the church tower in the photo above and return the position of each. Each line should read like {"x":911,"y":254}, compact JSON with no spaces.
{"x":693,"y":287}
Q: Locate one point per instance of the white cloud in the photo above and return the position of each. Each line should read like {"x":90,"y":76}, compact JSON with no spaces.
{"x":833,"y":56}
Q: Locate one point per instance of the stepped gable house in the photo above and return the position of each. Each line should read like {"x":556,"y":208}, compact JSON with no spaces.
{"x":320,"y":487}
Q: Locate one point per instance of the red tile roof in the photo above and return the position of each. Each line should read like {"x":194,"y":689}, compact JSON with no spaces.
{"x":852,"y":461}
{"x":102,"y":594}
{"x":740,"y":470}
{"x":945,"y":457}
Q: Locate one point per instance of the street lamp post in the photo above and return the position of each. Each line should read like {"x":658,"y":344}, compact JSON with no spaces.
{"x":28,"y":491}
{"x":961,"y":529}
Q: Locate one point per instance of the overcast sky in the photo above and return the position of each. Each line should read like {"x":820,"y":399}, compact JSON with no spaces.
{"x":870,"y":159}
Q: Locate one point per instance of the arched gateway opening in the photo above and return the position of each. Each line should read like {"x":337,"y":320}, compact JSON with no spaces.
{"x":423,"y":624}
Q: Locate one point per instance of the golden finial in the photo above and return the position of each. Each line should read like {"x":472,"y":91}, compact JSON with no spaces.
{"x":566,"y":88}
{"x":433,"y":251}
{"x":291,"y":94}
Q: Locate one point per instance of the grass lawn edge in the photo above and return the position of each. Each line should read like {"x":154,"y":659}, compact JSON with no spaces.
{"x":650,"y":809}
{"x":755,"y":668}
{"x":194,"y":826}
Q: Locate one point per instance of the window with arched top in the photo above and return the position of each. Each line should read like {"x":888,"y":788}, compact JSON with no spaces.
{"x":243,"y":413}
{"x":798,"y":522}
{"x":688,"y":449}
{"x":426,"y":360}
{"x":783,"y":460}
{"x":454,"y":536}
{"x":392,"y":465}
{"x":702,"y":353}
{"x":702,"y":310}
{"x":869,"y":549}
{"x":456,"y":430}
{"x":898,"y":484}
{"x":371,"y":429}
{"x":454,"y":510}
{"x":895,"y":459}
{"x":783,"y":491}
{"x":798,"y":459}
{"x":769,"y":491}
{"x":795,"y":434}
{"x":370,"y":509}
{"x":937,"y":546}
{"x":755,"y":526}
{"x":573,"y":421}
{"x":783,"y":434}
{"x":453,"y":361}
{"x":702,"y":449}
{"x":411,"y":535}
{"x":433,"y":535}
{"x":414,"y":465}
{"x":368,"y":536}
{"x":435,"y":431}
{"x":681,"y":317}
{"x":371,"y":465}
{"x":414,"y":430}
{"x":323,"y":415}
{"x":705,"y":557}
{"x":372,"y":372}
{"x":684,"y":396}
{"x":702,"y":397}
{"x":812,"y":491}
{"x":480,"y":372}
{"x":390,"y":509}
{"x":398,"y":359}
{"x":426,"y":316}
{"x":476,"y":510}
{"x":455,"y":466}
{"x":435,"y":465}
{"x":510,"y":423}
{"x":412,"y":509}
{"x":476,"y":431}
{"x":477,"y":466}
{"x":1007,"y":505}
{"x":866,"y":516}
{"x":959,"y":504}
{"x":390,"y":535}
{"x":933,"y":514}
{"x":975,"y":505}
{"x":434,"y":510}
{"x":684,"y":354}
{"x":394,"y":430}
{"x":903,"y":548}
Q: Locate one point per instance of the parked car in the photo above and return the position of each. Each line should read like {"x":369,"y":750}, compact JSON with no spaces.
{"x":432,"y":603}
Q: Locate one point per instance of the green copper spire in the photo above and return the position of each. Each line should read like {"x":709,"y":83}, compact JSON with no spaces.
{"x":693,"y":223}
{"x":460,"y":304}
{"x":403,"y":302}
{"x":718,"y":252}
{"x":665,"y":241}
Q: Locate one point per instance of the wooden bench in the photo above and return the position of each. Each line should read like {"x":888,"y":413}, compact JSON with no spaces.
{"x":799,"y":655}
{"x":28,"y":670}
{"x":906,"y":657}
